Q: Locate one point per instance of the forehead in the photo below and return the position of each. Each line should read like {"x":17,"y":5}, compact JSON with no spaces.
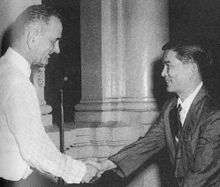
{"x":54,"y":27}
{"x":170,"y":56}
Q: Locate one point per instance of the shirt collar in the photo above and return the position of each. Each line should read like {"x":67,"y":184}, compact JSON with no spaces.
{"x":19,"y":62}
{"x":188,"y":101}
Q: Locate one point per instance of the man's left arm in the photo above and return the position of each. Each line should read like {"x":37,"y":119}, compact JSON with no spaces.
{"x":206,"y":168}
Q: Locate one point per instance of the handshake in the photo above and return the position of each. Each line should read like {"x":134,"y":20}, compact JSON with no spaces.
{"x":95,"y":169}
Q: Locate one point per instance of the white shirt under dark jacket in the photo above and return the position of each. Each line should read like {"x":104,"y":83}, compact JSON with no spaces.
{"x":185,"y":105}
{"x":23,"y":140}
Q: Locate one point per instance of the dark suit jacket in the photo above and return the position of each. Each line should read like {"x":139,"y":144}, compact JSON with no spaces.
{"x":199,"y":151}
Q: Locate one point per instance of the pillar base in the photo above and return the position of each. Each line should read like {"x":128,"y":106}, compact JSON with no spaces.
{"x":128,"y":112}
{"x":106,"y":127}
{"x":110,"y":125}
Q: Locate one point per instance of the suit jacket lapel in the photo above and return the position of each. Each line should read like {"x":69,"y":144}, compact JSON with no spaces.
{"x":189,"y":126}
{"x":169,"y":136}
{"x":193,"y":113}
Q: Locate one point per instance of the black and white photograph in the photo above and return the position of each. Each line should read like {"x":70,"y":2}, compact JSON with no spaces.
{"x":109,"y":93}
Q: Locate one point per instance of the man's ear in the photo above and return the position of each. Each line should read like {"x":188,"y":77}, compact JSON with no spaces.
{"x":194,"y":69}
{"x":33,"y":36}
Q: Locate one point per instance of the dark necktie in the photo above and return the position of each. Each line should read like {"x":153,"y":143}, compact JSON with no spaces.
{"x":176,"y":128}
{"x":175,"y":123}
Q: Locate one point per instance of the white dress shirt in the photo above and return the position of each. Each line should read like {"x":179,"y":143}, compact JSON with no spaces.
{"x":23,"y":140}
{"x":187,"y":103}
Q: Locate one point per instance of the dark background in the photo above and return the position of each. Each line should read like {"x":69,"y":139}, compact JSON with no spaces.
{"x":199,"y":19}
{"x":67,"y":63}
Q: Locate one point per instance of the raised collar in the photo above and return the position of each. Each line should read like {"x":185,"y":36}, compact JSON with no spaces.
{"x":18,"y":62}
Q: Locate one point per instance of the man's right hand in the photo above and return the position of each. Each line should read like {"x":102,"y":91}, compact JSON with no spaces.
{"x":102,"y":166}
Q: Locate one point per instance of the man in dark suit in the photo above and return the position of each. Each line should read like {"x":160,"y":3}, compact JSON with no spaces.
{"x":190,"y":132}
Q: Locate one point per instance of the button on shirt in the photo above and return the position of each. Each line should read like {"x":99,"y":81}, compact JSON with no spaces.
{"x":185,"y":105}
{"x":23,"y":140}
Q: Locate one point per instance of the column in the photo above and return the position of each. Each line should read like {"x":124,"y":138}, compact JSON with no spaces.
{"x":121,"y":42}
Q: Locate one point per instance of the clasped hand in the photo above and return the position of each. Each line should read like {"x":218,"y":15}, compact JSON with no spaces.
{"x":95,"y":169}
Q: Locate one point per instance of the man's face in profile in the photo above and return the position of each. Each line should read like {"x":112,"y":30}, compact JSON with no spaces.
{"x":49,"y":41}
{"x":176,"y":73}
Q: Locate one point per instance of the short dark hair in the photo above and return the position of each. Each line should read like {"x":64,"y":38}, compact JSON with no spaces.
{"x":192,"y":50}
{"x":34,"y":13}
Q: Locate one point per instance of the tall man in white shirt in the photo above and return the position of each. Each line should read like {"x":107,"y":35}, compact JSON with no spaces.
{"x":192,"y":134}
{"x":24,"y":144}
